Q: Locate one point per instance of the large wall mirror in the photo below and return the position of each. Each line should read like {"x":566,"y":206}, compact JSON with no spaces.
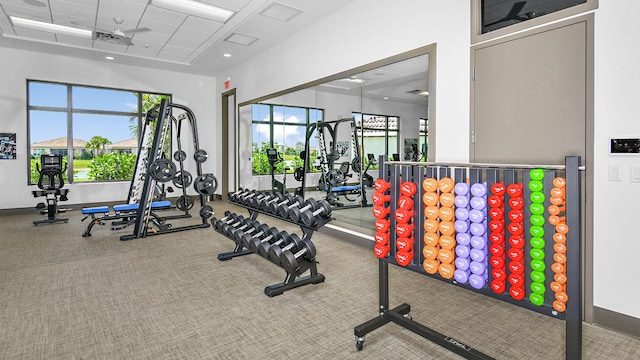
{"x":324,"y":140}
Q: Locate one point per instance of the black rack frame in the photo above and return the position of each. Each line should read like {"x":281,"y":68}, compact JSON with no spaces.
{"x":291,"y":280}
{"x":401,"y":314}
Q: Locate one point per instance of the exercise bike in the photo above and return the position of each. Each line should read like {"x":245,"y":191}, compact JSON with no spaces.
{"x":50,"y":183}
{"x":276,"y":185}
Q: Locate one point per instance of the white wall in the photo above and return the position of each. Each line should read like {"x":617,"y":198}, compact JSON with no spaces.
{"x":616,"y":239}
{"x":195,"y":92}
{"x":375,"y":29}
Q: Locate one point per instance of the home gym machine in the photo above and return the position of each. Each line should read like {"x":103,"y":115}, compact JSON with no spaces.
{"x":332,"y":180}
{"x":50,"y":183}
{"x":160,"y":169}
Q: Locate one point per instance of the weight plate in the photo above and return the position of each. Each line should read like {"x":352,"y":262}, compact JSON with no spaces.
{"x":356,"y":164}
{"x":335,"y":155}
{"x":200,"y":156}
{"x":182,"y":179}
{"x":179,"y":156}
{"x":298,"y":174}
{"x":184,"y":202}
{"x":206,"y":184}
{"x":206,"y":211}
{"x":162,"y":170}
{"x":336,"y":176}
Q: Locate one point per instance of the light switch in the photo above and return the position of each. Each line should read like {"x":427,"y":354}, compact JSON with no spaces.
{"x":635,"y":174}
{"x":614,"y":173}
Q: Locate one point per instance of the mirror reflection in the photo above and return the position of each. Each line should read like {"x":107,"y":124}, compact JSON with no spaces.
{"x":325,"y":141}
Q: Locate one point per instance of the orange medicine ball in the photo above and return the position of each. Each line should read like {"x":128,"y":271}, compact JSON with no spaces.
{"x":430,"y":199}
{"x":446,"y":270}
{"x":447,"y":199}
{"x":431,"y":239}
{"x":431,"y":266}
{"x":430,"y":184}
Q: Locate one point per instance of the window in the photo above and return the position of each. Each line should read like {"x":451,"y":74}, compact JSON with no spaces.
{"x":95,"y":129}
{"x":283,"y":128}
{"x":497,"y":14}
{"x":379,"y":134}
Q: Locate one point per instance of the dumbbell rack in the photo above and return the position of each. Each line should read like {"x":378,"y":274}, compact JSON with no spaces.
{"x":416,"y":172}
{"x":292,"y":280}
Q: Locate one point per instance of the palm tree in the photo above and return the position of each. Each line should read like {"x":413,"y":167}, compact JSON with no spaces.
{"x":96,"y":144}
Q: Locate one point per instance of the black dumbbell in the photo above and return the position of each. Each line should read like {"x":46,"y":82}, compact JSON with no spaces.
{"x":289,"y":199}
{"x":254,"y":231}
{"x":233,"y":196}
{"x":296,"y":213}
{"x":283,"y":210}
{"x":228,"y":217}
{"x":264,"y":246}
{"x":247,"y":224}
{"x":311,"y":218}
{"x":275,"y":250}
{"x":246,"y":200}
{"x":255,"y":243}
{"x":264,"y":203}
{"x":255,"y":201}
{"x":224,"y":227}
{"x":289,"y":259}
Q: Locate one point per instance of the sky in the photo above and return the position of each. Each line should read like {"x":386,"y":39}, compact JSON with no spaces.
{"x":47,"y":125}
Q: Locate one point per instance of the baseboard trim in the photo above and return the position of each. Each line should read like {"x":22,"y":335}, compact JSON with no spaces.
{"x":616,"y":321}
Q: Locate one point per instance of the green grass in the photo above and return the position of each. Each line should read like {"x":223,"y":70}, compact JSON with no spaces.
{"x":81,"y":164}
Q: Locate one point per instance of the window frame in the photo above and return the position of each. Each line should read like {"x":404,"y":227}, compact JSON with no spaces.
{"x":70,"y":111}
{"x":476,"y":21}
{"x":271,"y":123}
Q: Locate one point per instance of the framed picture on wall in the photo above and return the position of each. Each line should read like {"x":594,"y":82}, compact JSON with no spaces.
{"x":7,"y":146}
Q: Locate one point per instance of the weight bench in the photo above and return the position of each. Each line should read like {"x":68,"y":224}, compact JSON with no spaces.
{"x":124,"y":212}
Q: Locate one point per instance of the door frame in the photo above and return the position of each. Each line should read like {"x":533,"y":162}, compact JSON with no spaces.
{"x":587,"y":178}
{"x":224,"y":177}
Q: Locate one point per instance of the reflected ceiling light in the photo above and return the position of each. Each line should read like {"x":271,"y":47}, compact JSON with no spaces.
{"x":48,"y":27}
{"x":109,"y":57}
{"x":424,"y":93}
{"x":194,"y":8}
{"x":355,"y":80}
{"x":226,"y":55}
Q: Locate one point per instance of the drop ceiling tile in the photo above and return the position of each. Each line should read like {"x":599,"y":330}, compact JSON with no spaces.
{"x":140,"y":49}
{"x":170,"y":57}
{"x":151,"y":37}
{"x":159,"y":15}
{"x":27,"y":12}
{"x":233,"y":5}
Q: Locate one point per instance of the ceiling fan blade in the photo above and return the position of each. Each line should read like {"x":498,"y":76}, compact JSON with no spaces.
{"x":136,"y":31}
{"x":512,"y":15}
{"x":515,"y":10}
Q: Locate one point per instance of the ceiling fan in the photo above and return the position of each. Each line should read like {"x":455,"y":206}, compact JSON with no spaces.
{"x":118,"y":35}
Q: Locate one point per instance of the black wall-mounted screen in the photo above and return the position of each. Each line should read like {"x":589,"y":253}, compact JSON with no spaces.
{"x":497,"y":14}
{"x":625,"y":146}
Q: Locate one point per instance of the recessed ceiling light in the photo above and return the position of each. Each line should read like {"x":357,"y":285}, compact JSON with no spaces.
{"x":226,"y":55}
{"x":109,"y":57}
{"x":195,"y":8}
{"x":386,"y":98}
{"x":49,"y":27}
{"x":241,"y":39}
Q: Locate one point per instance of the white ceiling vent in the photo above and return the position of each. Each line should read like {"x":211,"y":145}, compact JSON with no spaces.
{"x":280,"y":12}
